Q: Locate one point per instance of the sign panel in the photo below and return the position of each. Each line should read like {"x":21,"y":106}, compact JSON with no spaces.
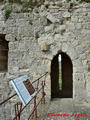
{"x":24,"y":89}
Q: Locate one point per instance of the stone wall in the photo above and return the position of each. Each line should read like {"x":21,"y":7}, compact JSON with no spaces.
{"x":36,"y":37}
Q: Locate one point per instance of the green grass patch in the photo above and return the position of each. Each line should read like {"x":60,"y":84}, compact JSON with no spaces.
{"x":14,"y":1}
{"x":7,"y":13}
{"x":60,"y":79}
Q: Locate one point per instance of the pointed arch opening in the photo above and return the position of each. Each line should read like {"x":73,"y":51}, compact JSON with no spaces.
{"x":61,"y":76}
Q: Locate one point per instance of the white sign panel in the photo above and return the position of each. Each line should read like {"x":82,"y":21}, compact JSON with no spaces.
{"x":21,"y":89}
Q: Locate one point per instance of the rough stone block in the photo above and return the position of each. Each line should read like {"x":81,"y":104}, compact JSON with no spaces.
{"x":66,"y":14}
{"x":44,"y":47}
{"x":52,"y":18}
{"x":49,"y":28}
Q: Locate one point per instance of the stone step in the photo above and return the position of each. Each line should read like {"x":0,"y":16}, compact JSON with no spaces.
{"x":67,"y":108}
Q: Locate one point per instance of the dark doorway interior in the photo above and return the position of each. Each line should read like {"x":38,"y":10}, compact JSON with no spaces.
{"x":3,"y":54}
{"x":61,"y":77}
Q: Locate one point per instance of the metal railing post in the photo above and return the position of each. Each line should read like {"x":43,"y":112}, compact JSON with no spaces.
{"x":18,"y":105}
{"x":37,"y":84}
{"x":35,"y":107}
{"x":43,"y":93}
{"x":18,"y":109}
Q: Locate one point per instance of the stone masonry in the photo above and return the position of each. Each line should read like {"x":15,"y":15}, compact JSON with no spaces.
{"x":36,"y":37}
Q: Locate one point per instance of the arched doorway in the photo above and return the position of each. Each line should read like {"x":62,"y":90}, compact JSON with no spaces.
{"x":61,"y":76}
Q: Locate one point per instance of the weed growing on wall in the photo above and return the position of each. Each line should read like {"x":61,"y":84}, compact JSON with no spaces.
{"x":14,"y":1}
{"x":7,"y":13}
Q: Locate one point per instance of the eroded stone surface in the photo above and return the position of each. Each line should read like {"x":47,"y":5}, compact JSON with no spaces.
{"x":36,"y":37}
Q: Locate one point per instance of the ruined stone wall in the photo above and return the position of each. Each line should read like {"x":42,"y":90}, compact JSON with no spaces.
{"x":36,"y":37}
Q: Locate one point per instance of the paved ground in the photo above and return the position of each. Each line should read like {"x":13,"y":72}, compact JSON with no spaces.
{"x":66,"y":108}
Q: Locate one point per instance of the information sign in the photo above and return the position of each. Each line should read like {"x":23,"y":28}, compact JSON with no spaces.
{"x":24,"y":89}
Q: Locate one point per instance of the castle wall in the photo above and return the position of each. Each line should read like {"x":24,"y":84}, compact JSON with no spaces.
{"x":35,"y":38}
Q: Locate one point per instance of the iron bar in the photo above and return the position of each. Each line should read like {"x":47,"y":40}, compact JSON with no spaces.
{"x":18,"y":106}
{"x":43,"y":93}
{"x":34,"y":109}
{"x":37,"y":84}
{"x":39,"y":78}
{"x":8,"y":98}
{"x":16,"y":93}
{"x":27,"y":104}
{"x":35,"y":112}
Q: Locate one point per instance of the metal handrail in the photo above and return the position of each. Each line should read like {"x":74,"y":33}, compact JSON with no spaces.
{"x":18,"y":105}
{"x":34,"y":112}
{"x":8,"y":99}
{"x":16,"y":93}
{"x":26,"y":105}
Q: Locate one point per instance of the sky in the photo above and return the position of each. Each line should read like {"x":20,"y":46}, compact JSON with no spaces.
{"x":59,"y":58}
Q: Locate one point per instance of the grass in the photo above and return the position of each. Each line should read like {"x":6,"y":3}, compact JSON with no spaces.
{"x":30,"y":22}
{"x":88,"y":1}
{"x":14,"y":1}
{"x":7,"y":13}
{"x":59,"y":5}
{"x":60,"y":80}
{"x":30,"y":2}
